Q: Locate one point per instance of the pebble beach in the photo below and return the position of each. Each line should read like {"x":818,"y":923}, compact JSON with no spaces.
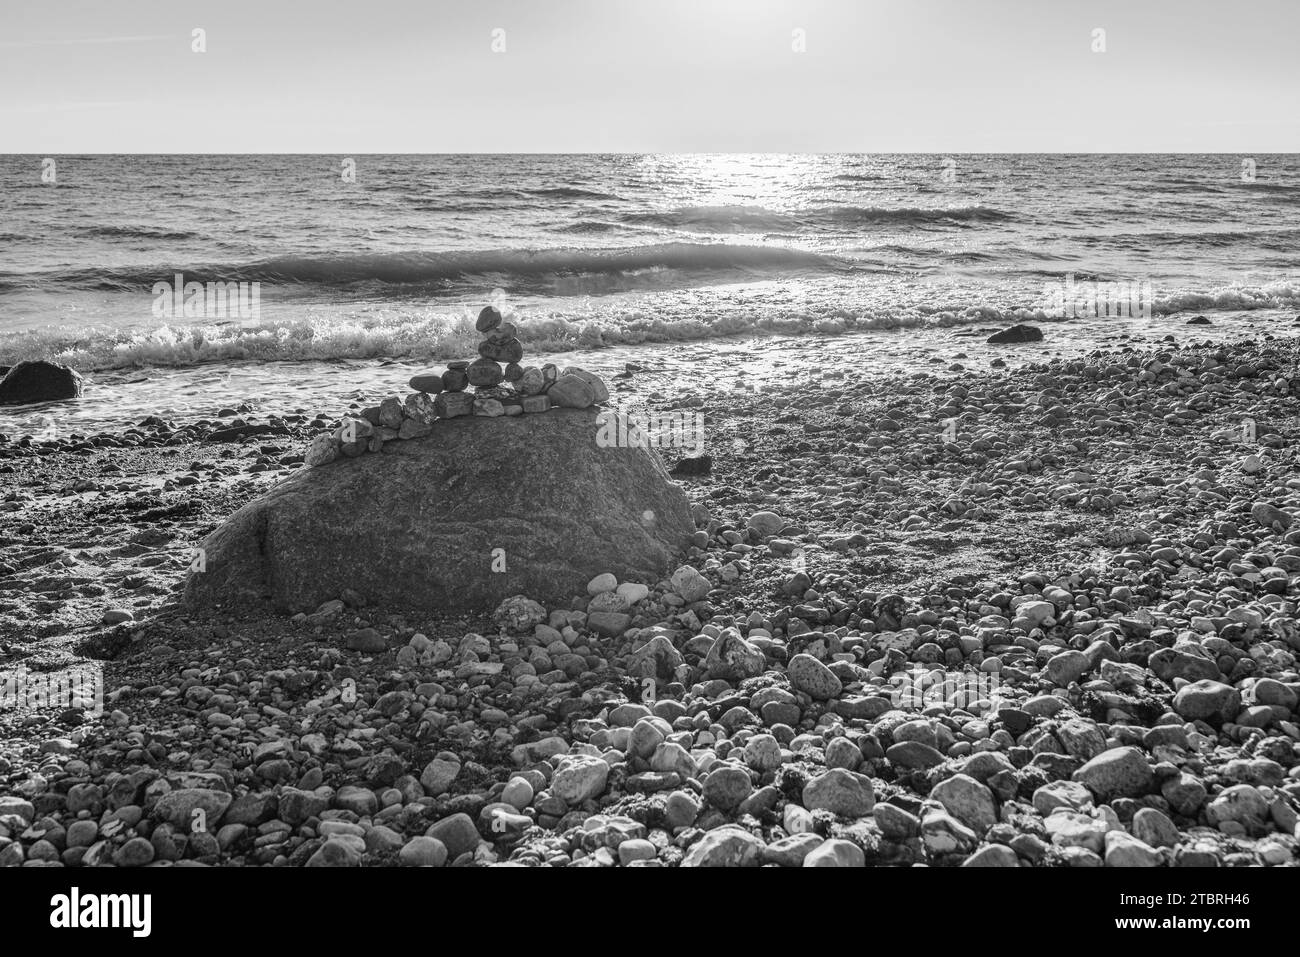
{"x":1028,"y":605}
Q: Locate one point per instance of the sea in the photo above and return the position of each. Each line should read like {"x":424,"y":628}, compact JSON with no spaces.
{"x":345,"y":271}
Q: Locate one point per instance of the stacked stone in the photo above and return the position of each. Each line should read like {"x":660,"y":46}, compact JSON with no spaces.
{"x":500,"y":346}
{"x":512,"y":390}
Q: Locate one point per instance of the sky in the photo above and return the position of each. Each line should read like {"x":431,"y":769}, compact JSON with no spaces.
{"x":442,"y":76}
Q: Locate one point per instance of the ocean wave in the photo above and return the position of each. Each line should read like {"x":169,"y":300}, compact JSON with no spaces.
{"x":445,"y":335}
{"x":1282,"y":294}
{"x":571,"y":192}
{"x":424,"y":269}
{"x":136,"y":232}
{"x":737,"y":219}
{"x":505,"y":193}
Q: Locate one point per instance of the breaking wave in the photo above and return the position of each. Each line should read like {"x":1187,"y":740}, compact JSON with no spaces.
{"x":432,"y":268}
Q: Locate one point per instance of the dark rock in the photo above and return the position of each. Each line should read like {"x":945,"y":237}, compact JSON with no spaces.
{"x":485,"y":373}
{"x":697,"y":465}
{"x":507,"y":350}
{"x":454,"y":380}
{"x":1017,"y":333}
{"x":39,"y":381}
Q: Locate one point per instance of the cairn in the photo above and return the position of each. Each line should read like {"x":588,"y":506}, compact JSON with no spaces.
{"x":513,"y":390}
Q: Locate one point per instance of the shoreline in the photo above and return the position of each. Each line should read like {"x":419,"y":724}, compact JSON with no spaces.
{"x":118,"y":398}
{"x":1050,"y":458}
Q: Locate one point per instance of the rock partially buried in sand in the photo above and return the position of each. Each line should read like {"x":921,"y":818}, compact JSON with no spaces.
{"x":1017,"y":333}
{"x":39,"y":381}
{"x":417,"y":528}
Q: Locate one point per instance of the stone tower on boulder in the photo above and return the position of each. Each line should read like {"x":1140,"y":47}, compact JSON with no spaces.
{"x":455,"y":521}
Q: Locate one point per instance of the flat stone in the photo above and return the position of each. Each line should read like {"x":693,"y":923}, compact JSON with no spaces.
{"x":726,"y":786}
{"x":571,"y":392}
{"x":420,"y":407}
{"x":840,"y":792}
{"x":579,"y":778}
{"x":1119,"y":772}
{"x":457,"y":833}
{"x":423,"y":851}
{"x":531,"y":382}
{"x":1171,"y":663}
{"x":836,"y":852}
{"x":426,"y":382}
{"x":608,"y":623}
{"x":413,"y":429}
{"x":336,"y":852}
{"x":1072,"y":829}
{"x":484,"y":373}
{"x":766,"y":524}
{"x":993,"y":855}
{"x":1017,"y":333}
{"x":390,"y":413}
{"x":438,"y":776}
{"x":455,"y":378}
{"x":813,"y":678}
{"x":449,"y":405}
{"x":1070,"y":795}
{"x":500,"y":350}
{"x":726,"y":846}
{"x":895,"y":823}
{"x":178,"y":808}
{"x":913,"y":754}
{"x":1207,"y":700}
{"x":1125,"y":850}
{"x":600,"y":393}
{"x":1067,"y":667}
{"x":687,"y":582}
{"x":968,"y":801}
{"x":792,"y":850}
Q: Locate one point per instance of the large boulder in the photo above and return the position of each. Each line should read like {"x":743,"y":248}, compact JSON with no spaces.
{"x":477,"y":511}
{"x":39,"y":381}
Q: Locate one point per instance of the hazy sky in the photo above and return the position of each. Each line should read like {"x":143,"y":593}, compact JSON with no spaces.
{"x":649,"y":75}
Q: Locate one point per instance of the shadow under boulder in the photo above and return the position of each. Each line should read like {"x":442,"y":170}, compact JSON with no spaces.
{"x":480,"y":509}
